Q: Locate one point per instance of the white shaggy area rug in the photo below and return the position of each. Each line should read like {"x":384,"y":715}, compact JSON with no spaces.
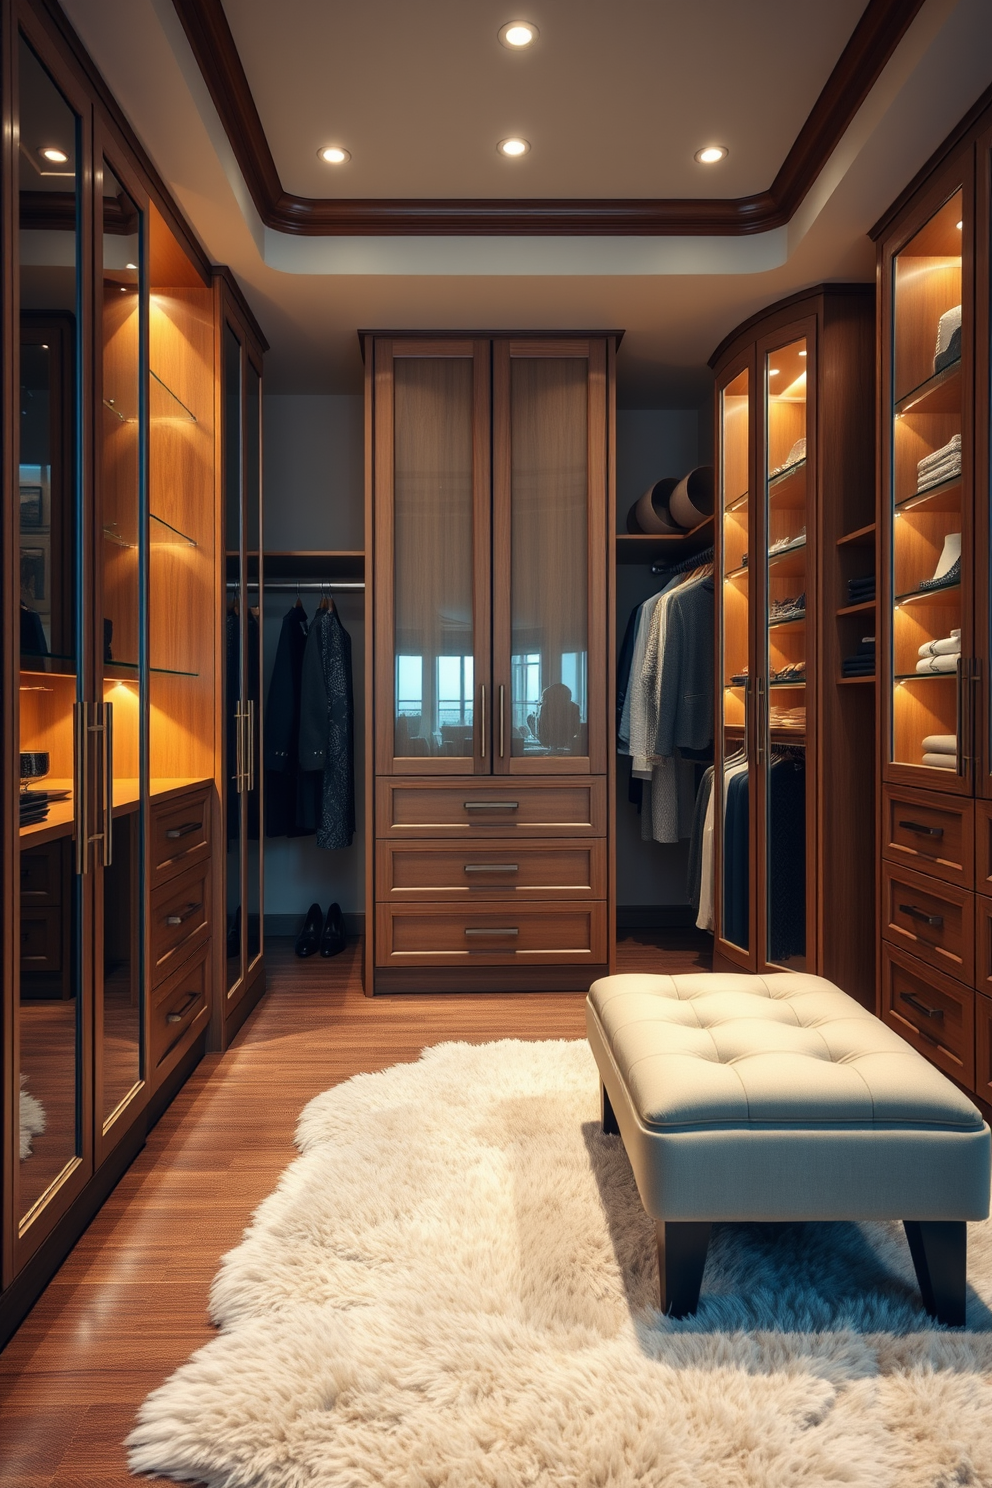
{"x":32,"y":1120}
{"x":455,"y":1286}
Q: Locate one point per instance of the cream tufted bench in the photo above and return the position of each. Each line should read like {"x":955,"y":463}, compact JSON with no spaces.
{"x":781,"y":1098}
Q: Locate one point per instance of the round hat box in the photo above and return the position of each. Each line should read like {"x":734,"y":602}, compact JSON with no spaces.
{"x":692,"y":500}
{"x":650,"y":513}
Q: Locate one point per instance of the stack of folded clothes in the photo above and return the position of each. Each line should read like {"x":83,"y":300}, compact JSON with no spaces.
{"x":948,"y":347}
{"x":781,"y":610}
{"x":859,"y":591}
{"x":940,"y":656}
{"x":944,"y":463}
{"x":940,"y":751}
{"x":862,"y":663}
{"x":787,"y":718}
{"x":33,"y":807}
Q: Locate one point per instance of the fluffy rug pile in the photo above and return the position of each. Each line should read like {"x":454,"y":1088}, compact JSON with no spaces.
{"x":455,"y":1287}
{"x":32,"y":1119}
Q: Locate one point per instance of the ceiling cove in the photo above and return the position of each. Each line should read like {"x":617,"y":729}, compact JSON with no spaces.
{"x":873,"y":41}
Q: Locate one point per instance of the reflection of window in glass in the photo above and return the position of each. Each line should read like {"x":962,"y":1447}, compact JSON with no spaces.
{"x":525,"y":689}
{"x":454,"y":690}
{"x":409,"y":685}
{"x":574,"y":670}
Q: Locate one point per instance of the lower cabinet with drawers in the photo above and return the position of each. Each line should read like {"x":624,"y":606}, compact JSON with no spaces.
{"x":936,"y":926}
{"x":180,"y":926}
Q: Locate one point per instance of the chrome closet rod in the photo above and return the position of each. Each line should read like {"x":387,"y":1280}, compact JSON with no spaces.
{"x":302,"y":587}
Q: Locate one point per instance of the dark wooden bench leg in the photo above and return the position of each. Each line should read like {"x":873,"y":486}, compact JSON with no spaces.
{"x":610,"y":1127}
{"x":682,"y":1247}
{"x":939,"y":1248}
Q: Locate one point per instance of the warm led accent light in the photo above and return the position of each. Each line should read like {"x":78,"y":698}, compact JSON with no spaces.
{"x":802,"y":353}
{"x":517,"y":34}
{"x":130,"y":266}
{"x":960,"y":225}
{"x":711,"y":154}
{"x":773,"y":371}
{"x":334,"y":155}
{"x":513,"y":147}
{"x":55,"y":155}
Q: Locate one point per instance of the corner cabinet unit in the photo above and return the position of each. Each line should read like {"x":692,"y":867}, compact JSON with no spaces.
{"x":112,"y":651}
{"x":935,"y":644}
{"x":794,"y":872}
{"x":489,"y":518}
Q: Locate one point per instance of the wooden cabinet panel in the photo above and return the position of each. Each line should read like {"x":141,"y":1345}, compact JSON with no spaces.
{"x":180,"y":920}
{"x":983,"y":846}
{"x":504,"y":870}
{"x":41,"y":939}
{"x":180,"y":1007}
{"x":931,"y":833}
{"x":930,"y":1011}
{"x":42,"y":873}
{"x":491,"y":934}
{"x":983,"y":1046}
{"x":535,"y":808}
{"x":934,"y":920}
{"x":180,"y":834}
{"x":983,"y":943}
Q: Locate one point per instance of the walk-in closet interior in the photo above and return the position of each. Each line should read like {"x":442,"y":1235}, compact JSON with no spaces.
{"x":433,"y":585}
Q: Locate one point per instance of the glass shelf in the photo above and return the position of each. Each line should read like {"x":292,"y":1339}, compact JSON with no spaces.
{"x":794,"y":623}
{"x":787,"y":685}
{"x":162,"y":534}
{"x":131,"y":669}
{"x":48,"y":663}
{"x":934,"y":395}
{"x":924,"y":596}
{"x":738,"y":573}
{"x":934,"y":498}
{"x":165,"y":405}
{"x":738,"y":504}
{"x":926,"y":676}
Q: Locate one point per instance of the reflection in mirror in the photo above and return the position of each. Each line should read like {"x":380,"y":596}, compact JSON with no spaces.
{"x":234,"y":735}
{"x":49,"y":1018}
{"x":734,"y":799}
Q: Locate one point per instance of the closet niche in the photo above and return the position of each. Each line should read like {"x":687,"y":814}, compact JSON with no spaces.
{"x":489,"y":513}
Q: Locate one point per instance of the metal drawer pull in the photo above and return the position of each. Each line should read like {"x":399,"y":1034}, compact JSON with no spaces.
{"x":921,"y":1007}
{"x":491,"y":805}
{"x":178,"y":919}
{"x":186,"y":1008}
{"x":175,"y":832}
{"x":923,"y":831}
{"x":495,"y":931}
{"x":492,"y":867}
{"x":937,"y":921}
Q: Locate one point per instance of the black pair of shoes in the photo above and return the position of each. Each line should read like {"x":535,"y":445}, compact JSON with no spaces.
{"x":318,"y":934}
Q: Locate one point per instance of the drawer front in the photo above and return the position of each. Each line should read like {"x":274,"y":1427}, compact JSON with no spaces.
{"x":933,"y":920}
{"x":983,"y":846}
{"x":419,"y":871}
{"x":486,"y":807}
{"x":983,"y":1047}
{"x":180,"y":832}
{"x":932,"y":834}
{"x":933,"y":1013}
{"x":41,"y":939}
{"x":41,"y":875}
{"x":491,"y":935}
{"x":180,"y":1007}
{"x":180,"y":920}
{"x":983,"y":943}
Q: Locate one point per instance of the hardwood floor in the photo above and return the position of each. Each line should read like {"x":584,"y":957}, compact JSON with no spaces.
{"x":129,"y":1304}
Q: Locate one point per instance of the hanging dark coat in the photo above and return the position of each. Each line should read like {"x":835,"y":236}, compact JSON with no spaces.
{"x":283,"y":781}
{"x":327,"y":726}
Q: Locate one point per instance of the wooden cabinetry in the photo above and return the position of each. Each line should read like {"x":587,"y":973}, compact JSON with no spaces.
{"x":934,"y":643}
{"x":794,"y":880}
{"x":489,"y":515}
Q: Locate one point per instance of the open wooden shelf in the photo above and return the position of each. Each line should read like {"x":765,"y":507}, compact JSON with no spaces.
{"x":636,"y":547}
{"x":863,"y":608}
{"x":861,"y":537}
{"x":318,"y":563}
{"x":855,"y":681}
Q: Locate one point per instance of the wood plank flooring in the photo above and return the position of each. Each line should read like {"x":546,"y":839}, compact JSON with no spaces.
{"x":129,"y":1304}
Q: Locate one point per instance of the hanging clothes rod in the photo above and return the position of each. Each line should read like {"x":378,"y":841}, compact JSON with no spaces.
{"x":685,"y":565}
{"x":303,"y":587}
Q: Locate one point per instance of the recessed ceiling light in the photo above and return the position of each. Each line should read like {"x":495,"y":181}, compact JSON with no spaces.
{"x":518,"y":34}
{"x":55,"y":155}
{"x":513,"y":147}
{"x":334,"y":155}
{"x":710,"y":154}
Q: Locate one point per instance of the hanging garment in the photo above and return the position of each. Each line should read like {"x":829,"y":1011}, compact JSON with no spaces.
{"x":284,"y":782}
{"x":685,"y":707}
{"x":737,"y":858}
{"x":232,"y":697}
{"x":253,"y":694}
{"x":704,"y":919}
{"x":694,"y":869}
{"x":624,"y":663}
{"x":327,"y":726}
{"x":787,"y":859}
{"x":644,"y":617}
{"x":33,"y":642}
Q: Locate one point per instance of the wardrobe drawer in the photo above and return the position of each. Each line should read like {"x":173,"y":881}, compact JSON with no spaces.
{"x":42,"y":874}
{"x":934,"y":920}
{"x":180,"y":916}
{"x":417,"y":871}
{"x":484,"y":807}
{"x":41,"y":938}
{"x":931,"y":833}
{"x":933,"y":1013}
{"x":983,"y":846}
{"x":180,"y":833}
{"x":491,"y":934}
{"x":180,"y":1006}
{"x":983,"y":943}
{"x":983,"y":1047}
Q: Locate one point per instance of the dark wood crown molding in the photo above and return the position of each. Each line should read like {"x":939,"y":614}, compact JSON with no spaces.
{"x":876,"y":36}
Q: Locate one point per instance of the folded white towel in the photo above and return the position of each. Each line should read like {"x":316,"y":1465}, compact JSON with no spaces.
{"x":950,"y":646}
{"x":941,"y":761}
{"x":940,"y":744}
{"x":954,"y":443}
{"x":939,"y":663}
{"x":948,"y":323}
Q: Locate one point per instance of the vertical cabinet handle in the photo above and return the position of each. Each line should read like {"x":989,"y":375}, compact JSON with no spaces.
{"x":80,"y":772}
{"x":759,"y":685}
{"x":502,"y":740}
{"x":960,"y":718}
{"x":482,"y":720}
{"x":239,"y":749}
{"x":108,"y":784}
{"x":251,"y":744}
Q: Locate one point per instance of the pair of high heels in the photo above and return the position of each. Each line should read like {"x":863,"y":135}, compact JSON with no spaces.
{"x":318,"y":934}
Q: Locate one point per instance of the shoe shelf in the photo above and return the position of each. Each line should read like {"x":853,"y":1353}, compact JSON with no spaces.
{"x":928,"y":596}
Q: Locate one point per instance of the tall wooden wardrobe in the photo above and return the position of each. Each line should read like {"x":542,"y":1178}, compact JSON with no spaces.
{"x":489,"y":602}
{"x":113,"y":563}
{"x":793,"y":786}
{"x":935,"y":881}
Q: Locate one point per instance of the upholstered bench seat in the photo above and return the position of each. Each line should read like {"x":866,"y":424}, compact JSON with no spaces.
{"x":780,"y":1098}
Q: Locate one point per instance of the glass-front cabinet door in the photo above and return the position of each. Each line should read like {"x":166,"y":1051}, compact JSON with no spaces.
{"x":56,"y":715}
{"x":549,"y":585}
{"x":930,"y":727}
{"x":253,"y":668}
{"x":432,"y":534}
{"x":732,"y":814}
{"x":235,"y":767}
{"x":785,"y":666}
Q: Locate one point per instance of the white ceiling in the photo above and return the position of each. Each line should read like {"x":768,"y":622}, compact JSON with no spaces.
{"x":676,"y":298}
{"x":615,"y":96}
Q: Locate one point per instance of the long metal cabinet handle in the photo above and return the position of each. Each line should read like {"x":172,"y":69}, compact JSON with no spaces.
{"x":80,"y":753}
{"x":108,"y":784}
{"x":251,"y":744}
{"x":912,"y":826}
{"x":502,"y":698}
{"x":492,"y":867}
{"x":759,"y":687}
{"x":491,"y":805}
{"x":482,"y":721}
{"x":961,"y":767}
{"x":921,"y":1007}
{"x":176,"y":832}
{"x":496,"y":930}
{"x":185,"y":1010}
{"x":937,"y":921}
{"x":239,"y":749}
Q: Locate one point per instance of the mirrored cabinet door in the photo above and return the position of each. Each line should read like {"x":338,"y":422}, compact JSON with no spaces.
{"x":253,"y":668}
{"x":53,"y":1006}
{"x":235,"y":766}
